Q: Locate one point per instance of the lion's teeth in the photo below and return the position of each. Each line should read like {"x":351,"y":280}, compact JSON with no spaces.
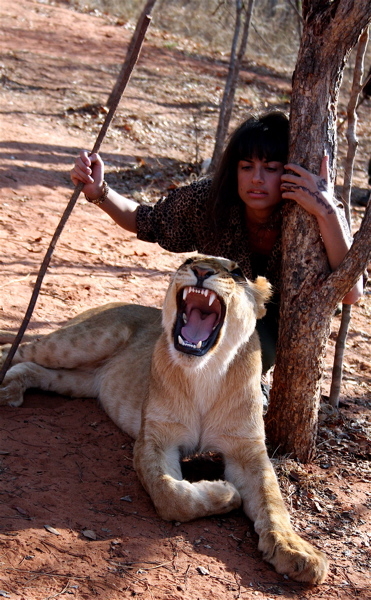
{"x":204,"y":292}
{"x":185,"y":320}
{"x":212,"y":297}
{"x":183,"y":342}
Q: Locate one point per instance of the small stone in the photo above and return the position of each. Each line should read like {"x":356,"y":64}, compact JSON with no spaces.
{"x":51,"y":530}
{"x":89,"y":533}
{"x":203,"y":571}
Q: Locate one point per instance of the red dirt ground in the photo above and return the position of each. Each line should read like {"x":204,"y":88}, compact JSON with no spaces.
{"x":74,"y":520}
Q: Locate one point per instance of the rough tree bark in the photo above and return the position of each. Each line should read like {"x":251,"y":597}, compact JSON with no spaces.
{"x":309,"y":291}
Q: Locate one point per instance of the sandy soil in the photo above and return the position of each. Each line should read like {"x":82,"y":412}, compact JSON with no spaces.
{"x":74,"y":520}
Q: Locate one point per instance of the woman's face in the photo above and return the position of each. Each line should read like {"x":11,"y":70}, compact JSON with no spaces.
{"x":259,"y":185}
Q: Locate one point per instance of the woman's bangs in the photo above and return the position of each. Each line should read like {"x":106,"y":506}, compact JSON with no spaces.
{"x":259,"y":144}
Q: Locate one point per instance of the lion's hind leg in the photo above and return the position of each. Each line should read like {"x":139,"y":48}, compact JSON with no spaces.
{"x":88,"y":339}
{"x":27,"y":375}
{"x":176,"y":499}
{"x":70,"y":348}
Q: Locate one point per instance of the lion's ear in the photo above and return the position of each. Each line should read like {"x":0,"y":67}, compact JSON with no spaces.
{"x":262,"y":291}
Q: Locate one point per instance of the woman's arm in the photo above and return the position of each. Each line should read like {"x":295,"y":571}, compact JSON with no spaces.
{"x":90,"y":171}
{"x":313,"y":194}
{"x":176,"y":222}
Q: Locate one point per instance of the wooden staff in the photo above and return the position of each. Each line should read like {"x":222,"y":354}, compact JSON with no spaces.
{"x":120,"y":85}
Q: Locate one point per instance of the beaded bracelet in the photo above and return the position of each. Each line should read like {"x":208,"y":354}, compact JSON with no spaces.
{"x":100,"y":198}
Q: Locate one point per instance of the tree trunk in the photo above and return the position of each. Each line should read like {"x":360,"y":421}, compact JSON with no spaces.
{"x":309,"y":291}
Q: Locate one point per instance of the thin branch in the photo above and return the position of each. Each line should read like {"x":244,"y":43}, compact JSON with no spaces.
{"x":294,"y":6}
{"x":340,"y":281}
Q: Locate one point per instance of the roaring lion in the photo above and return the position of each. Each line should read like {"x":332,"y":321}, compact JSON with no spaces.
{"x":186,"y":383}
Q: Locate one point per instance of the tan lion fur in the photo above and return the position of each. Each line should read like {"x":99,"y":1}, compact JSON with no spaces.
{"x":176,"y":404}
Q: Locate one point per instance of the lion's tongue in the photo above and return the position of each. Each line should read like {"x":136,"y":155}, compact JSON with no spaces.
{"x":199,"y":326}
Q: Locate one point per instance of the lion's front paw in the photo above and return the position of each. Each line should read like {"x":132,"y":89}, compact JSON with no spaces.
{"x":11,"y":393}
{"x":293,"y":556}
{"x":4,"y":350}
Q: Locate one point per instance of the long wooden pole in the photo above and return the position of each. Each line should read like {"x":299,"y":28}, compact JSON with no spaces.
{"x":120,"y":86}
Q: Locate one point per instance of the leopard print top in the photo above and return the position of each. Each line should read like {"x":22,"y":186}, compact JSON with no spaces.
{"x":179,"y":223}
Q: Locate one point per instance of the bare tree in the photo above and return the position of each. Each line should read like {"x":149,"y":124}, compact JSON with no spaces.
{"x":238,"y":49}
{"x":310,"y":292}
{"x":337,"y":370}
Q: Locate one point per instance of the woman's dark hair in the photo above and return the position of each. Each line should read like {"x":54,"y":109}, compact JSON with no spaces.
{"x":262,"y":137}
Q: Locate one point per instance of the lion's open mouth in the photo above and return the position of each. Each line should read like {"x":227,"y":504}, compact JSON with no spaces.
{"x":200,"y":317}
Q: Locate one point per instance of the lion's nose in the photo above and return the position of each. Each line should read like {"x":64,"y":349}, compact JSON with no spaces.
{"x":202,"y":273}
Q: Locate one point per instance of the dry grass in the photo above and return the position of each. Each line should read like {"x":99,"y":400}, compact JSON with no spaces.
{"x":273,"y":40}
{"x":273,"y":33}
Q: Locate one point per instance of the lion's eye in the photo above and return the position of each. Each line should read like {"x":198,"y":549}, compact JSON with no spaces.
{"x":188,"y":261}
{"x":237,"y":273}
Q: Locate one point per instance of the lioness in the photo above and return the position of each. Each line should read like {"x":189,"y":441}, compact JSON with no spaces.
{"x":190,"y":384}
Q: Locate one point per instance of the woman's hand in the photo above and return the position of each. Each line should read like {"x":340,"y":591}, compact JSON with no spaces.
{"x":313,"y":192}
{"x":90,"y":171}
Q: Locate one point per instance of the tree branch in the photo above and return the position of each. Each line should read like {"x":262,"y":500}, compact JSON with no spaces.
{"x":337,"y":370}
{"x":354,"y":264}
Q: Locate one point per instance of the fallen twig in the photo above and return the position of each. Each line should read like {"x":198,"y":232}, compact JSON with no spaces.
{"x":46,"y":573}
{"x":136,"y":565}
{"x":82,"y":556}
{"x":59,"y":593}
{"x":15,"y":281}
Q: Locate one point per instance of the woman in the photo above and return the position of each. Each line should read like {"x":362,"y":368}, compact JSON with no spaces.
{"x":237,"y":214}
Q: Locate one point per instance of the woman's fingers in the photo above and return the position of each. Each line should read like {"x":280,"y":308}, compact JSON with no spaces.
{"x":310,"y":191}
{"x":303,"y":173}
{"x":296,"y":169}
{"x":302,"y":179}
{"x":88,"y":169}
